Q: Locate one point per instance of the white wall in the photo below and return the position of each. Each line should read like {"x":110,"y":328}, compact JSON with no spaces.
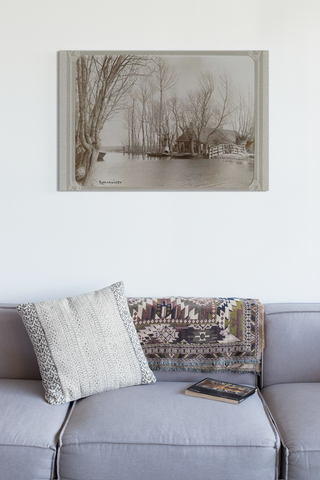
{"x":263,"y":245}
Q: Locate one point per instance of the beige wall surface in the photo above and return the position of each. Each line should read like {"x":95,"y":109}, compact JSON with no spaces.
{"x":54,"y":244}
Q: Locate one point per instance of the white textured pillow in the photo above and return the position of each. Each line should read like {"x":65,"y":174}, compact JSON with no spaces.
{"x":85,"y":344}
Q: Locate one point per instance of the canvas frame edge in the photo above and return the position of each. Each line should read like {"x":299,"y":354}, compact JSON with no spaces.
{"x":66,"y":102}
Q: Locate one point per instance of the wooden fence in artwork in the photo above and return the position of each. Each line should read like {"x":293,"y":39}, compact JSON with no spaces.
{"x":225,"y":148}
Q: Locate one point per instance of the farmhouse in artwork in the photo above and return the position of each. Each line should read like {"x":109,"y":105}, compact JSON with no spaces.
{"x":189,"y":141}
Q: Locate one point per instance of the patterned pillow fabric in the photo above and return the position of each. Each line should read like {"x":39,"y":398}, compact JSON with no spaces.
{"x":200,"y":334}
{"x":85,"y":344}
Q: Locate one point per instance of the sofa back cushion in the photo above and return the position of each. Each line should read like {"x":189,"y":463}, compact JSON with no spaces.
{"x":193,"y":377}
{"x":17,"y":357}
{"x":292,"y":335}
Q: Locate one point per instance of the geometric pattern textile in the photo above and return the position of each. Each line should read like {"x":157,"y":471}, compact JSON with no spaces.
{"x":85,"y":344}
{"x":200,"y":334}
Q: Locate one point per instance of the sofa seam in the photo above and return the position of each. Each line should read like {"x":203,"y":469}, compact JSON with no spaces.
{"x":49,"y":447}
{"x":283,"y":444}
{"x":295,"y":311}
{"x":292,"y":452}
{"x":60,"y":443}
{"x":276,"y":433}
{"x":165,"y":444}
{"x":52,"y":465}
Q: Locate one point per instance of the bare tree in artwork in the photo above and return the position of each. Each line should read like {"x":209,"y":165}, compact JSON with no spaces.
{"x":132,"y":115}
{"x":223,"y":104}
{"x":175,"y":105}
{"x":103,"y":82}
{"x":165,"y":78}
{"x":243,"y":118}
{"x":144,"y":94}
{"x":200,"y":105}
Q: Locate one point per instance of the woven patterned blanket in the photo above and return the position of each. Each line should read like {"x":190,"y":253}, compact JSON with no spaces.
{"x":200,"y":334}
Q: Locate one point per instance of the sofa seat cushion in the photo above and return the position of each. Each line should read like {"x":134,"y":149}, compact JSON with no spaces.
{"x":295,"y":408}
{"x":156,"y":431}
{"x":29,"y":431}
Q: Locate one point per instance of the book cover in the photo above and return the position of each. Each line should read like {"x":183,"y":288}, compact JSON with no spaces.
{"x":221,"y":391}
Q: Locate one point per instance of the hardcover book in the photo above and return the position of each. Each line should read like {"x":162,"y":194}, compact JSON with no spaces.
{"x":220,"y":391}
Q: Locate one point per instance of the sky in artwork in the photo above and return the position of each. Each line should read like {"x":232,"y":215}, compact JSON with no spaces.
{"x":240,"y":69}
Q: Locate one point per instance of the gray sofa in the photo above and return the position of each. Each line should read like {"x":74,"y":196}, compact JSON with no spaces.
{"x":155,"y":431}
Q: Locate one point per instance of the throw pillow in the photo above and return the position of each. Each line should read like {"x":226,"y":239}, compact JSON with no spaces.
{"x":85,"y":344}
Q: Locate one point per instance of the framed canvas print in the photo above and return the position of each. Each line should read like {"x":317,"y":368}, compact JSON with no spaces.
{"x":163,"y":120}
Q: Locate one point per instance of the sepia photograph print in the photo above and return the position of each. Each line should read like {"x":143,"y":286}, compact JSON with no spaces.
{"x":163,"y":121}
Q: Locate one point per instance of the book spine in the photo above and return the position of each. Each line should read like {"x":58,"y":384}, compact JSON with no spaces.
{"x":211,"y":397}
